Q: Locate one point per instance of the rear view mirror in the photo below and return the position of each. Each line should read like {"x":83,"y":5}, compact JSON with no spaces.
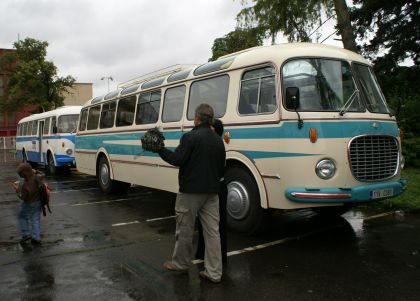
{"x":292,"y":98}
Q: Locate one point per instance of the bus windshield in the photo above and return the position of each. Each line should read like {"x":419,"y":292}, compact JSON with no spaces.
{"x":67,"y":123}
{"x":370,"y":91}
{"x":324,"y":85}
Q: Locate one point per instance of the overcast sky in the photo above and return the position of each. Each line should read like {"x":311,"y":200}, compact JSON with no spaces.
{"x":90,"y":39}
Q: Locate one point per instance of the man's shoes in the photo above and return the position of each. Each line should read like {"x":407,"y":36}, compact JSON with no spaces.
{"x":204,"y":275}
{"x":35,"y":243}
{"x":172,"y":267}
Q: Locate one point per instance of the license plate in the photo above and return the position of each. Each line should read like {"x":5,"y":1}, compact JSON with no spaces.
{"x":381,"y":193}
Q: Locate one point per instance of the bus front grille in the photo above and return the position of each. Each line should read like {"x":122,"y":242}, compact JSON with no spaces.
{"x":374,"y":158}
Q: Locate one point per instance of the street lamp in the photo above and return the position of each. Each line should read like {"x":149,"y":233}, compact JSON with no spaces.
{"x":108,"y":78}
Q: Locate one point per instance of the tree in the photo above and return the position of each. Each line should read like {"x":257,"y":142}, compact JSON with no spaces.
{"x":296,"y":18}
{"x":236,"y":40}
{"x":32,"y":80}
{"x":391,"y":29}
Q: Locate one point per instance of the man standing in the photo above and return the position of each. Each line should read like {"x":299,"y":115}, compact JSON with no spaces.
{"x":201,"y":160}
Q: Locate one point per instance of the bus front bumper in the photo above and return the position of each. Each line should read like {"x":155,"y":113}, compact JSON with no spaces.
{"x":357,"y":194}
{"x":63,"y":160}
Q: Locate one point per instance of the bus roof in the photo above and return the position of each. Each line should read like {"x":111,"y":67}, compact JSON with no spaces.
{"x":248,"y":57}
{"x":65,"y":110}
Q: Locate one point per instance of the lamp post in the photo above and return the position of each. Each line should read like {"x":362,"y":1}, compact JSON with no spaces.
{"x":108,"y":78}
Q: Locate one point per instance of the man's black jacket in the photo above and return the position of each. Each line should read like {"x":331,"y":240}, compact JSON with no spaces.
{"x":201,"y":160}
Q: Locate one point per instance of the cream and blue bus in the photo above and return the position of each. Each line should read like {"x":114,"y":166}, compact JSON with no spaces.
{"x":48,"y":138}
{"x":306,"y":126}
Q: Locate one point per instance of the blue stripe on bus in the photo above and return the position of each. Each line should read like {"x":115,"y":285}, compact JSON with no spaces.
{"x":32,"y":156}
{"x":288,"y":130}
{"x":325,"y":130}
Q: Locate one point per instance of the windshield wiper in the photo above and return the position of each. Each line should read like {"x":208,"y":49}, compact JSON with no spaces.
{"x":349,"y":102}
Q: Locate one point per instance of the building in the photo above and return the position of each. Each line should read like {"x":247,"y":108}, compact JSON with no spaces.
{"x":77,"y":95}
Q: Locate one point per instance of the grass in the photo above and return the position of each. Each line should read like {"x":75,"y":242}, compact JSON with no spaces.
{"x":408,"y":200}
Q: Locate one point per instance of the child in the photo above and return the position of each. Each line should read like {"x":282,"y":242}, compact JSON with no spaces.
{"x":28,"y":191}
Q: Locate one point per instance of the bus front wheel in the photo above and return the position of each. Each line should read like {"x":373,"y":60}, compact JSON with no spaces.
{"x":244,"y":211}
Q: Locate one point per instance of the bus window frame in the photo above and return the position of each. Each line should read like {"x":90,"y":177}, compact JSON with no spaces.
{"x":203,"y":79}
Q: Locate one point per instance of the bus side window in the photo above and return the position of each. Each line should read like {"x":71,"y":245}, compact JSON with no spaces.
{"x":258,"y":92}
{"x":93,"y":117}
{"x":173,"y":104}
{"x":148,"y":107}
{"x":83,"y":120}
{"x":107,"y":115}
{"x":35,"y":127}
{"x":125,"y":111}
{"x":53,"y":125}
{"x":213,"y":91}
{"x":25,"y":129}
{"x":47,"y":126}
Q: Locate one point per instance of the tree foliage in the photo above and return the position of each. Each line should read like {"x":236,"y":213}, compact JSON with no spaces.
{"x":236,"y":40}
{"x":390,"y":30}
{"x":31,"y":78}
{"x":296,"y":18}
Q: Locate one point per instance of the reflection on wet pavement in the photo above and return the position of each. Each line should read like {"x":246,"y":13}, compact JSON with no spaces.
{"x":106,"y":247}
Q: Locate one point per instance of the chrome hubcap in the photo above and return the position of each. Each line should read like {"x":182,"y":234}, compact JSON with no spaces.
{"x":104,"y":174}
{"x":237,"y":200}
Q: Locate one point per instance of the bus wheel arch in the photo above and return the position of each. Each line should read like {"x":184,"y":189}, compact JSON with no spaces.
{"x":244,"y":207}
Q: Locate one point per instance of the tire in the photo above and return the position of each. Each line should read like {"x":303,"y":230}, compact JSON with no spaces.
{"x":52,"y":168}
{"x":332,"y":211}
{"x":244,"y":211}
{"x":106,"y":184}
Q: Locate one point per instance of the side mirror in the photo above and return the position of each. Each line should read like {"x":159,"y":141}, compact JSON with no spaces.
{"x":292,"y":98}
{"x":54,"y":129}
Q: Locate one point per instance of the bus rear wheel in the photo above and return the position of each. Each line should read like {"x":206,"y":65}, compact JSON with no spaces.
{"x":244,"y":211}
{"x":106,"y":184}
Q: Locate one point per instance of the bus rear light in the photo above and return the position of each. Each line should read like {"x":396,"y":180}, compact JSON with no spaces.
{"x":313,"y":135}
{"x":401,"y":135}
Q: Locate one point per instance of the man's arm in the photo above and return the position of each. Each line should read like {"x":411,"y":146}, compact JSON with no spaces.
{"x":181,"y":153}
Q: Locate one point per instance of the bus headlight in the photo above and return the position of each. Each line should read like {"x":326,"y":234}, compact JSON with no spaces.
{"x":402,"y":161}
{"x":325,"y":169}
{"x":69,"y":151}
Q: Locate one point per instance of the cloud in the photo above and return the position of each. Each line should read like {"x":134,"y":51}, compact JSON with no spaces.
{"x":119,"y":38}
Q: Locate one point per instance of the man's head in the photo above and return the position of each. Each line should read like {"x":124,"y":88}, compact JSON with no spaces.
{"x":204,"y":114}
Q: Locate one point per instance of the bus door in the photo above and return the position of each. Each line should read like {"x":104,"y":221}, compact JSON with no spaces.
{"x":40,"y":139}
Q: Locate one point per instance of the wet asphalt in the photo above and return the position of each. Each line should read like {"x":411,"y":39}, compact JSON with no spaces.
{"x":98,"y":247}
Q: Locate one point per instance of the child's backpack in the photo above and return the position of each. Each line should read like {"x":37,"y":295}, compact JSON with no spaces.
{"x":44,"y":193}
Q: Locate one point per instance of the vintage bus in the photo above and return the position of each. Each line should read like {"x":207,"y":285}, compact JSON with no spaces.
{"x":306,"y":126}
{"x":48,"y":138}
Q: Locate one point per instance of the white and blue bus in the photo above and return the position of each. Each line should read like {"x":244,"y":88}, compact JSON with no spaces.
{"x":48,"y":138}
{"x":306,"y":126}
